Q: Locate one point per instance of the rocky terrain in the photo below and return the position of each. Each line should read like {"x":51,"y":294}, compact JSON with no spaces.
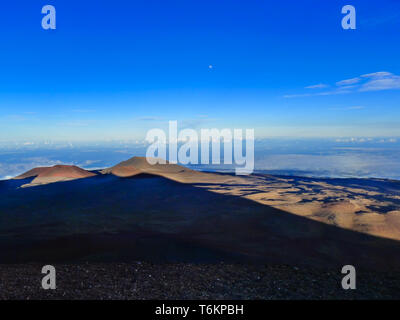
{"x":139,"y":280}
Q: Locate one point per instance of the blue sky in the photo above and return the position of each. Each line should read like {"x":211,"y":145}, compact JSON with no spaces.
{"x":114,"y":69}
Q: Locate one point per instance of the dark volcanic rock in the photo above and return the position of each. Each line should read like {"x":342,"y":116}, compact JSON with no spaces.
{"x":139,"y":280}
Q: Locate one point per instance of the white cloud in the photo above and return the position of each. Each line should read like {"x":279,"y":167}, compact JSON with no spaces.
{"x":288,"y":96}
{"x":377,"y":74}
{"x":83,"y":110}
{"x":349,"y":108}
{"x":356,"y":107}
{"x":348,"y":81}
{"x":317,"y":86}
{"x":342,"y":90}
{"x":381,"y":81}
{"x":76,"y":123}
{"x":150,"y":118}
{"x":376,"y":81}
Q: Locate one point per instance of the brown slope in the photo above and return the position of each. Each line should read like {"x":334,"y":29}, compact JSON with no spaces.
{"x":363,"y":205}
{"x":32,"y":173}
{"x":55,"y":174}
{"x":140,"y":165}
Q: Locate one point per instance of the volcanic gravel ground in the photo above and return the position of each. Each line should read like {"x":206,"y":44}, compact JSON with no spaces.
{"x":140,"y":280}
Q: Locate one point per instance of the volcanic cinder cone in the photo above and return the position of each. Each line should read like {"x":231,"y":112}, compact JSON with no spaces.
{"x":32,"y":173}
{"x":57,"y":173}
{"x":140,"y":165}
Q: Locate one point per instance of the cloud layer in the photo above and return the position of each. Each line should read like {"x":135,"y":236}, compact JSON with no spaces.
{"x":376,"y":81}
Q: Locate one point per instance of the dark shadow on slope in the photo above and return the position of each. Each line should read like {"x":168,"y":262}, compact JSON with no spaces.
{"x":11,"y":184}
{"x":106,"y":218}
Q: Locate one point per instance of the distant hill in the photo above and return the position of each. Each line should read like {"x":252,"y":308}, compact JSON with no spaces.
{"x":57,"y":173}
{"x":129,"y":168}
{"x":139,"y":165}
